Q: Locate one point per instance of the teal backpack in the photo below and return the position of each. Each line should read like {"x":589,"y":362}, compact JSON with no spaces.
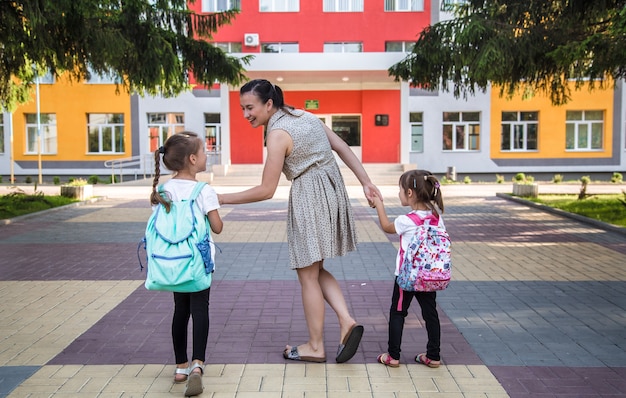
{"x":178,"y":246}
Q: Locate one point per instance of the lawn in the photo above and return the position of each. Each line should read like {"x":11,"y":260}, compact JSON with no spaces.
{"x":19,"y":203}
{"x":606,"y":208}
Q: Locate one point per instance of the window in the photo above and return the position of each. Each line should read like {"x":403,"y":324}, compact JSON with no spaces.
{"x":343,"y":5}
{"x":461,"y":131}
{"x":280,"y":48}
{"x":519,"y":131}
{"x":163,"y":125}
{"x":230,"y":47}
{"x":404,"y":5}
{"x":449,"y":5}
{"x":417,"y":131}
{"x":343,"y":47}
{"x":399,"y":46}
{"x":584,"y":130}
{"x":212,"y":131}
{"x":279,"y":5}
{"x":45,"y":140}
{"x":105,"y":133}
{"x":102,"y":78}
{"x":220,"y":5}
{"x":348,"y":128}
{"x":48,"y":78}
{"x":1,"y":132}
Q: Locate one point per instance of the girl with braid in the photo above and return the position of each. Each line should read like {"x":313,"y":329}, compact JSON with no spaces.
{"x":184,"y":154}
{"x":419,"y":190}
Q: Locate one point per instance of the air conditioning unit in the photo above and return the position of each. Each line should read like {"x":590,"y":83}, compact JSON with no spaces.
{"x":251,"y":39}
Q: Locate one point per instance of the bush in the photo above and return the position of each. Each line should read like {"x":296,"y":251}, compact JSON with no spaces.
{"x":519,"y":177}
{"x":56,"y":180}
{"x":499,"y":178}
{"x":584,"y":181}
{"x":94,"y":179}
{"x":28,"y":179}
{"x":0,"y":179}
{"x":615,"y":179}
{"x":557,"y":179}
{"x":467,"y":180}
{"x":76,"y":182}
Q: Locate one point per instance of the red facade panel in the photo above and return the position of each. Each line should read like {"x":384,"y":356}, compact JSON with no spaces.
{"x":312,"y":27}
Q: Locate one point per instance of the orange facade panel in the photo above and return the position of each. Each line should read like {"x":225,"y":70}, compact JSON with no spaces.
{"x":552,"y":134}
{"x":71,"y":102}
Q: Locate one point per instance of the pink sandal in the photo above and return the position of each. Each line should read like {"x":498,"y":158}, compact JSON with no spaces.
{"x":424,"y":360}
{"x":386,"y":359}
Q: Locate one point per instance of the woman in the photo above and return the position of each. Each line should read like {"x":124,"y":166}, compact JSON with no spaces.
{"x":320,"y":223}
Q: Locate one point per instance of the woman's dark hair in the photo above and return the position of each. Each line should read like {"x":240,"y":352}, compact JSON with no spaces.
{"x":176,"y":152}
{"x":425,"y":186}
{"x":266,"y":91}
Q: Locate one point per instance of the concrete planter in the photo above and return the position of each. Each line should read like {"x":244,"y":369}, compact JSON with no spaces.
{"x":525,"y":190}
{"x":80,"y":192}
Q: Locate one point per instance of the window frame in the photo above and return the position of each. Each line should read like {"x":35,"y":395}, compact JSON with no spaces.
{"x":47,"y":138}
{"x":117,"y":130}
{"x":411,"y":6}
{"x":172,"y":123}
{"x":343,"y":46}
{"x":577,"y":125}
{"x":99,"y":78}
{"x":407,"y":46}
{"x":513,"y":126}
{"x":288,"y":6}
{"x":336,"y":5}
{"x":470,"y":131}
{"x":419,"y":124}
{"x":227,"y":46}
{"x":214,"y":5}
{"x":281,"y":47}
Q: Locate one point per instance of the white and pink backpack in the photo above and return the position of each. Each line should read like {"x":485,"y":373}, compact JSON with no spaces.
{"x":426,"y":263}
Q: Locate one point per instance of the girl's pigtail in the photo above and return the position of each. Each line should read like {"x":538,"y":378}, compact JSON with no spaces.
{"x":155,"y":196}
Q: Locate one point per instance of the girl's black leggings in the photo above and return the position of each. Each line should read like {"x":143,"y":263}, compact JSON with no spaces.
{"x":195,"y":305}
{"x":400,"y":302}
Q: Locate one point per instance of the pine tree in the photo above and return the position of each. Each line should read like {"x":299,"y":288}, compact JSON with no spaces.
{"x":521,"y":46}
{"x":151,"y":46}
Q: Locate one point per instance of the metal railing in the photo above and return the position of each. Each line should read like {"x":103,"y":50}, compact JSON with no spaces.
{"x":142,"y":164}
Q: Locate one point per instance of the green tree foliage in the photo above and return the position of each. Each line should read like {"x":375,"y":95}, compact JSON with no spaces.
{"x":521,"y":46}
{"x":152,"y":46}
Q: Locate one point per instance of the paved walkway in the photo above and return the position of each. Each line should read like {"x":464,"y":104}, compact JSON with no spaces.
{"x":537,"y":307}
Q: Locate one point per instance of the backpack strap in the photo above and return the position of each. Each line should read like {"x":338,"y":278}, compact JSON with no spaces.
{"x":196,"y":190}
{"x":419,"y":221}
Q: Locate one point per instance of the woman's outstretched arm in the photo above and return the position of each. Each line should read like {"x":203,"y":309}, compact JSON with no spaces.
{"x":349,"y":158}
{"x":279,"y":145}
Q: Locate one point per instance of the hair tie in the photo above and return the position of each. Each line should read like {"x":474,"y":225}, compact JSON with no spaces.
{"x":414,"y":183}
{"x":162,"y":150}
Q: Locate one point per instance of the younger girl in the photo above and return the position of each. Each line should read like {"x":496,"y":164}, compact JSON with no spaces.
{"x":184,"y":154}
{"x":419,"y":189}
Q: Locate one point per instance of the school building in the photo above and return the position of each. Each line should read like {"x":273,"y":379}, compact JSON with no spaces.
{"x":330,"y":57}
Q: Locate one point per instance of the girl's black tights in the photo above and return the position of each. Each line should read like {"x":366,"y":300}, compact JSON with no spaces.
{"x":196,"y":306}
